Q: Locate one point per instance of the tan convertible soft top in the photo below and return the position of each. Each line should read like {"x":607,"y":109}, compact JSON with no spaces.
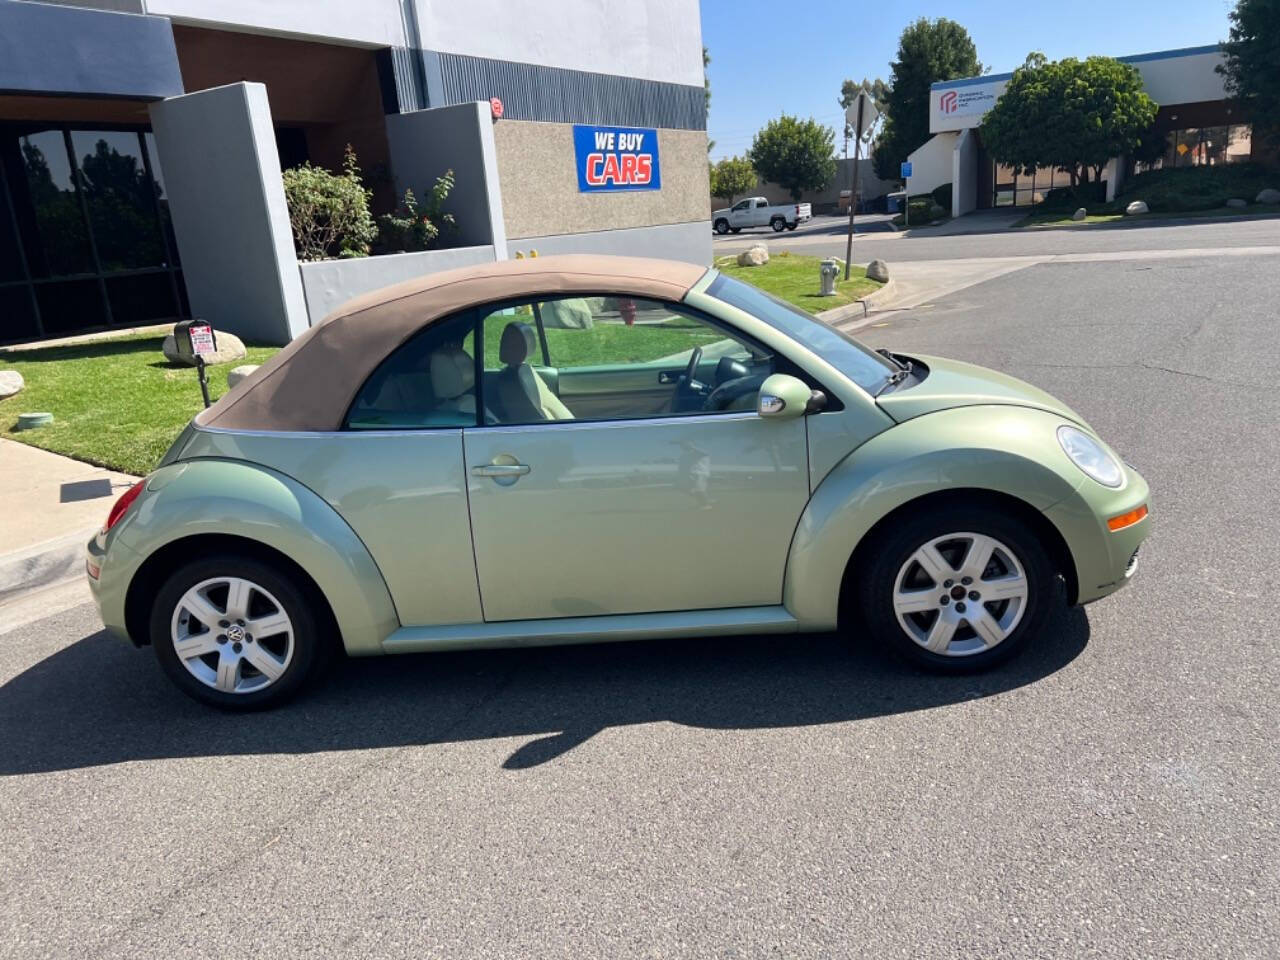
{"x":310,"y":384}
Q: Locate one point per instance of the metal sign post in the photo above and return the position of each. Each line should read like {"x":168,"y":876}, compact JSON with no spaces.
{"x":906,"y":192}
{"x":196,"y":340}
{"x":860,"y":115}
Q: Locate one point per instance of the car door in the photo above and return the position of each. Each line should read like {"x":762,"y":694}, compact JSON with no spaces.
{"x":740,"y":213}
{"x":760,"y":212}
{"x":623,"y":504}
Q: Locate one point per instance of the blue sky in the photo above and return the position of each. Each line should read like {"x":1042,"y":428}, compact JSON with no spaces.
{"x":763,"y":64}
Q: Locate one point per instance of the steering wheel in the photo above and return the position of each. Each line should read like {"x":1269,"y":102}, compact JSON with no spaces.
{"x":689,"y":392}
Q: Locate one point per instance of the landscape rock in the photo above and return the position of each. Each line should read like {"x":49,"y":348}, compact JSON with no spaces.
{"x":236,"y":374}
{"x":1268,"y":195}
{"x":571,"y":313}
{"x":230,"y":348}
{"x":1237,"y":202}
{"x":10,"y":383}
{"x":1138,"y":206}
{"x":756,"y":256}
{"x":1080,"y":214}
{"x":878,"y":270}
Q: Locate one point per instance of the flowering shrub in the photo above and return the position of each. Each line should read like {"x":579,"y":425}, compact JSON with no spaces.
{"x":329,"y":212}
{"x":414,"y":226}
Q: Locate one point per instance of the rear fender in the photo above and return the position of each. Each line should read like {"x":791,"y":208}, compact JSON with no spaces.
{"x":1005,"y":449}
{"x":224,"y":497}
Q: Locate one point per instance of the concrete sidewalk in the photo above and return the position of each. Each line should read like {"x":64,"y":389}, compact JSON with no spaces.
{"x":49,"y":507}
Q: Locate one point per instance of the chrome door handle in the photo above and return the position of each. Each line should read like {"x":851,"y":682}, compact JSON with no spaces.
{"x":501,"y":470}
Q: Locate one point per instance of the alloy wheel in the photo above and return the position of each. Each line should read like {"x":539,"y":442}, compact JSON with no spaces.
{"x":960,"y":594}
{"x":232,"y":634}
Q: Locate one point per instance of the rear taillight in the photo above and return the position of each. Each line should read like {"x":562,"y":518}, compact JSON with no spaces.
{"x":122,"y":505}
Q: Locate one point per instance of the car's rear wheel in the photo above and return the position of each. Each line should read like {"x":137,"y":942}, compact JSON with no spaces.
{"x":235,"y":633}
{"x":778,"y":224}
{"x":957,"y":589}
{"x":722,"y":227}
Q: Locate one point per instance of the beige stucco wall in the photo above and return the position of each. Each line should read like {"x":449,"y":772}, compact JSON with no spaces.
{"x":539,"y":183}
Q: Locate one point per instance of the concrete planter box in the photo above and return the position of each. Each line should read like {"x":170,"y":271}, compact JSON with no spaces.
{"x":327,"y":284}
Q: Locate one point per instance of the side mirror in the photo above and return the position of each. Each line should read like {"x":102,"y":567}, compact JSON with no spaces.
{"x":783,"y":397}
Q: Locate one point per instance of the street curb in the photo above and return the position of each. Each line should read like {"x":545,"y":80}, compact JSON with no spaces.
{"x":861,"y":308}
{"x":44,"y":564}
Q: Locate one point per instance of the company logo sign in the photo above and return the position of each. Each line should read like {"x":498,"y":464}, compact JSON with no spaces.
{"x":616,"y":158}
{"x":948,"y":101}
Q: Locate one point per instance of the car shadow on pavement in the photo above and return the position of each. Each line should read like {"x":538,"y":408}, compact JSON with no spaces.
{"x":98,"y":701}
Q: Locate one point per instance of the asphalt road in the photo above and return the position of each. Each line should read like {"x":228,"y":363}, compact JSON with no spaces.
{"x":825,"y":236}
{"x":1112,"y":793}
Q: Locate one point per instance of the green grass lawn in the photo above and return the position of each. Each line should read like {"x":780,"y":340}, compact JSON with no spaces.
{"x":115,"y":403}
{"x":795,"y":279}
{"x":1061,"y":219}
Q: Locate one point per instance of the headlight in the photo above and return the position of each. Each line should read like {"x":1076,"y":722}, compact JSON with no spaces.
{"x":1088,"y":454}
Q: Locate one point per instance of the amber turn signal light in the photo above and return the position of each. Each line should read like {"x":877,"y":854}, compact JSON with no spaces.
{"x":1127,"y":519}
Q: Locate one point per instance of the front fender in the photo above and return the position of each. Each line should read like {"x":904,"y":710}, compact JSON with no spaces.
{"x":247,"y":500}
{"x":1006,"y":449}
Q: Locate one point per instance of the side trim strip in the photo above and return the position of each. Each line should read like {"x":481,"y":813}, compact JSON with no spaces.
{"x":571,"y":630}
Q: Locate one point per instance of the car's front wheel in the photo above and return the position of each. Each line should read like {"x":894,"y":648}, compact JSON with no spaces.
{"x":957,"y":589}
{"x":235,"y":633}
{"x":722,"y":227}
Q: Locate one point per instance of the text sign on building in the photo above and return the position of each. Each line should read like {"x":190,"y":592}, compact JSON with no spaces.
{"x":963,"y":106}
{"x":616,"y":158}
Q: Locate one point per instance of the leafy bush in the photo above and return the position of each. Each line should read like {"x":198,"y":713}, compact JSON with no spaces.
{"x":1087,"y":195}
{"x":329,"y":212}
{"x":923,"y":209}
{"x":1178,"y":189}
{"x":412,"y":227}
{"x":942,"y":196}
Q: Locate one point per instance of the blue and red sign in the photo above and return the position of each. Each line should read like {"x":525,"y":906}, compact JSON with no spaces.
{"x":616,"y":158}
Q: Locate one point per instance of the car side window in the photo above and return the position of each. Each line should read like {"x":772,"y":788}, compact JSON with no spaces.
{"x":429,"y":381}
{"x":742,"y":204}
{"x":613,"y":358}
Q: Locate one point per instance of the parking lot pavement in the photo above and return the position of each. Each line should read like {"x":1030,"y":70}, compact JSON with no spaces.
{"x":822,"y":227}
{"x":1112,"y":793}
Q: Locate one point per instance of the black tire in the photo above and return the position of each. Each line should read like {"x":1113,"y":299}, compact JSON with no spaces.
{"x":310,"y":642}
{"x":736,"y":230}
{"x":778,"y":224}
{"x":722,"y":226}
{"x":874,"y":584}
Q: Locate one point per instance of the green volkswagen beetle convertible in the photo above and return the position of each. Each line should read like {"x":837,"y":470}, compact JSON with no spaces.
{"x":578,"y":449}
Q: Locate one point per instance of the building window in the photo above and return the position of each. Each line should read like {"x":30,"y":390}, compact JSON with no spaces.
{"x":1204,"y":146}
{"x":85,"y":236}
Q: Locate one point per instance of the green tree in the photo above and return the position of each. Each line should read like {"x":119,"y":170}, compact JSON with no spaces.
{"x":1070,"y":114}
{"x":1252,"y":65}
{"x":796,"y":154}
{"x":732,"y":176}
{"x":879,"y":91}
{"x":929,"y":52}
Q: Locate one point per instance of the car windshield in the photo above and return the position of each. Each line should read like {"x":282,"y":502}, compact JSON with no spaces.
{"x":860,"y":364}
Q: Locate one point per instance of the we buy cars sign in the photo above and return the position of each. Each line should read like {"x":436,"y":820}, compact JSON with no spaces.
{"x":616,"y":158}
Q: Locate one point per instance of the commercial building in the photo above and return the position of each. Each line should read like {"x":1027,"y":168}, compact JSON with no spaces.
{"x":142,"y":143}
{"x":1200,"y":124}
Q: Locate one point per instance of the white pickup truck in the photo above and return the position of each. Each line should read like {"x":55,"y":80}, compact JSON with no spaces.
{"x":756,"y":212}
